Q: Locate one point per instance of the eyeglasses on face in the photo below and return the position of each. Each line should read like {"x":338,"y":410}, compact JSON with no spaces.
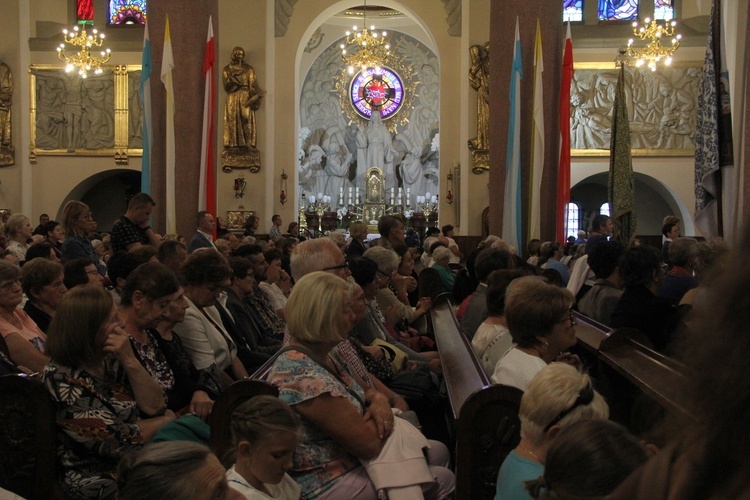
{"x":345,"y":265}
{"x":570,"y":317}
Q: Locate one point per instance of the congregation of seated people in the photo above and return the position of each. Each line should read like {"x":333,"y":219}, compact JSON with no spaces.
{"x":135,"y":336}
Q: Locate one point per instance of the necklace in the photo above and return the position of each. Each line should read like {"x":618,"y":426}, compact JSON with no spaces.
{"x":524,"y":448}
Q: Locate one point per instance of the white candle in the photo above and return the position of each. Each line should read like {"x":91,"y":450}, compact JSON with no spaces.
{"x":341,"y":192}
{"x":426,"y":196}
{"x":312,"y":199}
{"x":320,"y":195}
{"x":400,"y":195}
{"x":357,"y":195}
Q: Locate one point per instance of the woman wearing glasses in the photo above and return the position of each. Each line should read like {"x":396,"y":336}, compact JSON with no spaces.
{"x":77,"y":222}
{"x":542,"y":326}
{"x":557,"y":397}
{"x":26,"y":342}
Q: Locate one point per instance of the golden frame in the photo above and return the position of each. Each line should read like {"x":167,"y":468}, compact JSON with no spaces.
{"x":121,"y":112}
{"x":641,"y":152}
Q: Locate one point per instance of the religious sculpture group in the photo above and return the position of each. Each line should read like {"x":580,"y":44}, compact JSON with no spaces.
{"x":244,"y":97}
{"x":336,"y":154}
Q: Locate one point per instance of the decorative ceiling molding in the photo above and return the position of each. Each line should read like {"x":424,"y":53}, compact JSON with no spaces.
{"x":453,"y":9}
{"x":283,"y":13}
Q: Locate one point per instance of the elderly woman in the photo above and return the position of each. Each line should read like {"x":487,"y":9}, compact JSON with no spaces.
{"x":42,"y":282}
{"x":380,"y":323}
{"x":357,"y":236}
{"x":324,"y":394}
{"x":441,"y":257}
{"x":492,"y":339}
{"x":77,"y":222}
{"x":388,"y":263}
{"x":639,"y":307}
{"x":82,"y":272}
{"x":203,"y":333}
{"x":557,"y":397}
{"x":26,"y":342}
{"x":173,"y":469}
{"x":542,"y":326}
{"x":150,"y":294}
{"x":18,"y":230}
{"x":107,"y":403}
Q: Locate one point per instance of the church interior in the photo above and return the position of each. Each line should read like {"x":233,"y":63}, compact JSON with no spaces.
{"x":518,"y":333}
{"x":293,"y":49}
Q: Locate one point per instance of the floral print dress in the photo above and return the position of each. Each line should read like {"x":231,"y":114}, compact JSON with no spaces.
{"x":318,"y":461}
{"x":97,"y":424}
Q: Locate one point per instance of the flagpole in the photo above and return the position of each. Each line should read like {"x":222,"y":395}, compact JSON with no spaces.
{"x":167,"y":65}
{"x":207,"y":185}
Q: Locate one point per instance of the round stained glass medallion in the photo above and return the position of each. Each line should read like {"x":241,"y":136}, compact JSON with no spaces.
{"x":376,"y":88}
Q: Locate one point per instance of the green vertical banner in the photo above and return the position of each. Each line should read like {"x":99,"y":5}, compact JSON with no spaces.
{"x":620,"y":184}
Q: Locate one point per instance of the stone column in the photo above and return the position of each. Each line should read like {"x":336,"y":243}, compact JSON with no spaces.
{"x":502,"y":34}
{"x":188,"y":24}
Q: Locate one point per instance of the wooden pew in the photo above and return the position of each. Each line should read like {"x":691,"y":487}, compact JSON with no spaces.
{"x":628,"y":371}
{"x":632,"y":374}
{"x":485,"y":416}
{"x":28,"y":439}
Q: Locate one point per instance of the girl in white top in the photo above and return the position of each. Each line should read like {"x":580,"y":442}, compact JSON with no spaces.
{"x":265,"y":433}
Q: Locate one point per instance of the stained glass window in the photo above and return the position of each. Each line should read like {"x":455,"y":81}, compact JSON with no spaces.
{"x":572,"y":10}
{"x":604,"y":209}
{"x":618,"y":10}
{"x":572,"y":219}
{"x":663,"y":10}
{"x":126,"y":12}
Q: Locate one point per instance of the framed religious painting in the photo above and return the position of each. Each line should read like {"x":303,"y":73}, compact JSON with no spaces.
{"x":95,"y":116}
{"x":661,"y":108}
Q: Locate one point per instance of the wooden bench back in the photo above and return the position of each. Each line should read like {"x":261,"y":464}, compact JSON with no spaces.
{"x":429,"y":283}
{"x":28,"y":439}
{"x":485,"y":416}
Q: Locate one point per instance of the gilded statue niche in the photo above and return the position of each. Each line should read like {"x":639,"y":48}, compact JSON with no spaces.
{"x":479,"y":79}
{"x":244,"y":97}
{"x":7,"y":150}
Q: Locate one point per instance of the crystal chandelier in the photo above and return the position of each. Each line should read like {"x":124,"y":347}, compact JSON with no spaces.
{"x":372,"y":50}
{"x":83,"y":60}
{"x":654,"y":51}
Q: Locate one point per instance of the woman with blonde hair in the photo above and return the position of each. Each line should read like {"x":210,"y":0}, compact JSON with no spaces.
{"x":18,"y":229}
{"x":557,"y":397}
{"x":357,"y":235}
{"x":77,"y":222}
{"x":328,"y":462}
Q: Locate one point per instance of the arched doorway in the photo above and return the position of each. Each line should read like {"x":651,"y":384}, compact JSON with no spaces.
{"x":653,"y":201}
{"x":107,"y":194}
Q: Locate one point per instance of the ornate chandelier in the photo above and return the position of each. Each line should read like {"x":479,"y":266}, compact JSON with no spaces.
{"x":83,"y":61}
{"x":372,"y":49}
{"x":654,"y":51}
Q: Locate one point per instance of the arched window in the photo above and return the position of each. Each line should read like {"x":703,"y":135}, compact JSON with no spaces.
{"x":604,"y":209}
{"x":663,"y":10}
{"x":572,"y":10}
{"x":572,"y":219}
